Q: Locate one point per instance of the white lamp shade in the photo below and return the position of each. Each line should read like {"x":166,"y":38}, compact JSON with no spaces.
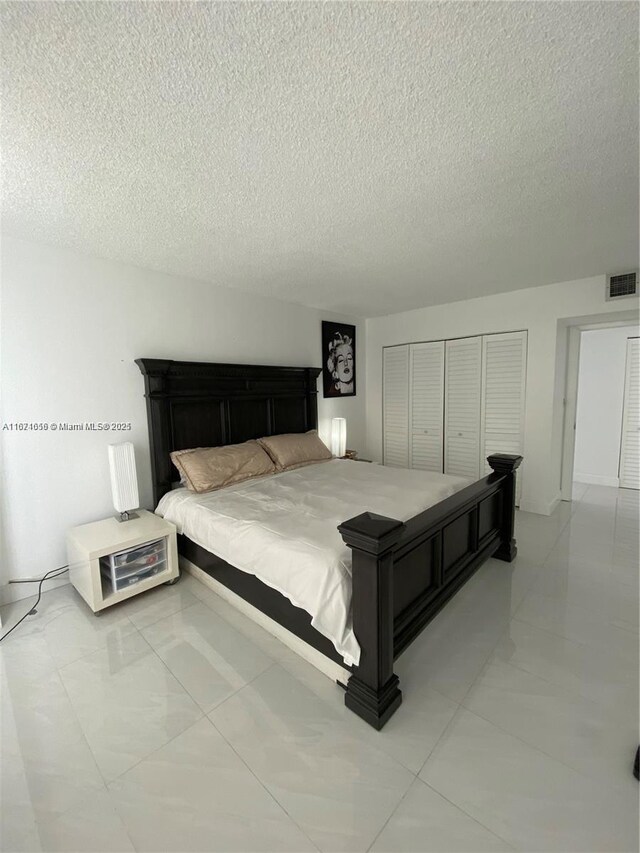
{"x":338,"y":436}
{"x":124,"y":481}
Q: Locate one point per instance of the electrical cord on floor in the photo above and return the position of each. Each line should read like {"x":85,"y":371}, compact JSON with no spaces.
{"x":54,"y":573}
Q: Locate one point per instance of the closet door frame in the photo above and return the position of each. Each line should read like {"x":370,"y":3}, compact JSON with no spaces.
{"x":624,"y":484}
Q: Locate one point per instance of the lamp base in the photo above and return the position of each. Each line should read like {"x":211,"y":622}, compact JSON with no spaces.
{"x":126,"y":516}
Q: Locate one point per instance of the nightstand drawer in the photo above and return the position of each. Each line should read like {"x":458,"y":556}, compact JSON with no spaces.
{"x":128,"y":567}
{"x":140,"y":556}
{"x":123,"y":581}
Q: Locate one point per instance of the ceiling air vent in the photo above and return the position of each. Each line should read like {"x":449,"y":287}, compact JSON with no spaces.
{"x":625,"y":284}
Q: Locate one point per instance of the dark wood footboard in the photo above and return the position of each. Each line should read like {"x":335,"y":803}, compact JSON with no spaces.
{"x":403,"y":574}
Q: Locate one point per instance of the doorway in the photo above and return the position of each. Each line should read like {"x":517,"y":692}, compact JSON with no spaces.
{"x":601,"y":438}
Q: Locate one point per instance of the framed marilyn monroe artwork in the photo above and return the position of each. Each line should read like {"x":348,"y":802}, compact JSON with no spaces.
{"x":338,"y":359}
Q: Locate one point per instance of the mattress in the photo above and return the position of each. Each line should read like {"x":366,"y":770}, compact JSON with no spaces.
{"x":283,"y":529}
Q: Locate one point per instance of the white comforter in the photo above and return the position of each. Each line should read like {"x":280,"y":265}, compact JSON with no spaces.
{"x":283,"y":529}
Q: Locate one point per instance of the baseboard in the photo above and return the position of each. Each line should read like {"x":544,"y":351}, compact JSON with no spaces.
{"x":332,"y":670}
{"x":554,"y":504}
{"x":540,"y":508}
{"x":597,"y":480}
{"x":11,"y":592}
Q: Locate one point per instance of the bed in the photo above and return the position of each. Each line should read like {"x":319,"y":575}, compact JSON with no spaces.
{"x":398,"y":572}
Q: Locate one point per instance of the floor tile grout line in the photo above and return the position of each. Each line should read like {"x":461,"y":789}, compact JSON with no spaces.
{"x":81,"y":728}
{"x":387,"y":754}
{"x":550,"y":571}
{"x":574,"y":569}
{"x":166,"y":615}
{"x":153,"y":751}
{"x":460,"y":704}
{"x":219,"y":615}
{"x":575,"y":507}
{"x":242,"y":686}
{"x":487,"y":659}
{"x":589,"y":611}
{"x":93,"y":758}
{"x":610,"y":560}
{"x":443,"y":733}
{"x":514,"y":619}
{"x":54,"y":816}
{"x":399,"y":803}
{"x":515,"y":666}
{"x":107,"y":782}
{"x":27,"y":599}
{"x":236,"y":612}
{"x":95,"y":651}
{"x":535,"y":674}
{"x":262,"y":784}
{"x":458,"y":806}
{"x":187,"y":693}
{"x":555,"y":541}
{"x":101,"y":647}
{"x":137,"y":764}
{"x":569,"y":639}
{"x":533,"y":746}
{"x":250,"y":769}
{"x":472,"y":817}
{"x":537,"y":749}
{"x":609,"y":536}
{"x":115,"y":811}
{"x":279,"y":662}
{"x":542,"y":677}
{"x":185,"y":688}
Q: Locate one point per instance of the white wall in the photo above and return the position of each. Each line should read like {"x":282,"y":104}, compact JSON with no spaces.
{"x":543,"y":312}
{"x":71,"y":328}
{"x":600,"y":398}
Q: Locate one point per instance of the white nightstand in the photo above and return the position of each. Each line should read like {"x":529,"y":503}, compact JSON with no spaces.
{"x":112,"y":560}
{"x":352,"y":456}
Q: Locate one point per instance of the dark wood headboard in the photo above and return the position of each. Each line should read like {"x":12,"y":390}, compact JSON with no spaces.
{"x":196,"y":404}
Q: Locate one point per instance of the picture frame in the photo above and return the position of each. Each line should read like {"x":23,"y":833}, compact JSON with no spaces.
{"x":338,"y":359}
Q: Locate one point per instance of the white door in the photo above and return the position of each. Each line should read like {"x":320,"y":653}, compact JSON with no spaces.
{"x":395,"y":406}
{"x":463,"y":364}
{"x":426,"y":399}
{"x":504,"y":367}
{"x":630,"y":442}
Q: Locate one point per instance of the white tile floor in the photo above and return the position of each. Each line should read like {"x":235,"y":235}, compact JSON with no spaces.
{"x":173,"y":723}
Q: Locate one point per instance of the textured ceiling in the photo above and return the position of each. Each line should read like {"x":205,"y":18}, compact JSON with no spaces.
{"x":358,"y":157}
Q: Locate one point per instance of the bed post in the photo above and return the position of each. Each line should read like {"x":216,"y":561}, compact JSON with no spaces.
{"x":506,"y":464}
{"x":373,"y":690}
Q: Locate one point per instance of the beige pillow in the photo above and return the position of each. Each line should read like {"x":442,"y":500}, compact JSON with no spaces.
{"x":295,"y":449}
{"x":206,"y":468}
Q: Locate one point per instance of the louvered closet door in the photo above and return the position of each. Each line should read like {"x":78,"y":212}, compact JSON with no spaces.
{"x":463,"y":362}
{"x":426,"y":398}
{"x":630,"y":443}
{"x":504,"y":368}
{"x":395,"y":406}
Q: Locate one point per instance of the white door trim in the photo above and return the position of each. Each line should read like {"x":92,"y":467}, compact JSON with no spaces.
{"x":574,"y":334}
